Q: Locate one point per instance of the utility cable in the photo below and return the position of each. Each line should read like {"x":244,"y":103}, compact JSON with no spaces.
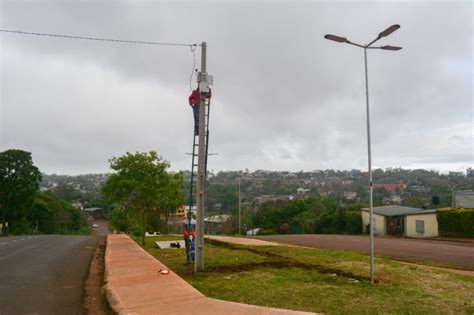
{"x":99,"y":39}
{"x":191,"y":46}
{"x":193,"y":49}
{"x":442,"y":148}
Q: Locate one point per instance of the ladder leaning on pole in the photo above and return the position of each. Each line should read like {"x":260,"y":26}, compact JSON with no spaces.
{"x":194,"y":170}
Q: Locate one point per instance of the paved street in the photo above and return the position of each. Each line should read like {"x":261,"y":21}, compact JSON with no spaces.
{"x":455,"y":253}
{"x":43,"y":274}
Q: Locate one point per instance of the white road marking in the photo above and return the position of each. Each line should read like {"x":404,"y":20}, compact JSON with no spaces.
{"x":3,"y":243}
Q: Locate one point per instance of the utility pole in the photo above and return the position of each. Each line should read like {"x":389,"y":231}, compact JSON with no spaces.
{"x":253,"y":214}
{"x":240,"y":209}
{"x":199,"y":263}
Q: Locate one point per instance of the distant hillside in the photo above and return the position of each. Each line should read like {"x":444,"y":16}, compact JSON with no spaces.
{"x":82,"y":190}
{"x":392,"y":186}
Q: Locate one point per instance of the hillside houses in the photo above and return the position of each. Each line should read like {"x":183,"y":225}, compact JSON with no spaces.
{"x":392,"y":187}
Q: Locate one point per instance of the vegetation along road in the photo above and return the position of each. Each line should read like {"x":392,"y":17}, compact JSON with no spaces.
{"x":443,"y":253}
{"x":44,"y":274}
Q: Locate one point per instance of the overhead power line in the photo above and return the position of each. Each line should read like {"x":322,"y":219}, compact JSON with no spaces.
{"x":430,"y":151}
{"x":99,"y":39}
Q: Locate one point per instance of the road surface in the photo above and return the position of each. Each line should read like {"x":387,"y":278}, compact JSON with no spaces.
{"x":455,"y":254}
{"x":44,"y":274}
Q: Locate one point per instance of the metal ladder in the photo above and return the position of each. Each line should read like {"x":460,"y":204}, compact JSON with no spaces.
{"x":194,"y":171}
{"x":194,"y":160}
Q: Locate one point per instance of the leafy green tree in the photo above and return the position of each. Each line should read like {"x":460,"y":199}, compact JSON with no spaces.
{"x":19,"y":183}
{"x":50,"y":215}
{"x":171,"y":195}
{"x":137,"y":183}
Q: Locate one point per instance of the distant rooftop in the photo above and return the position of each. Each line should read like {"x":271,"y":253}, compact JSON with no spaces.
{"x":464,"y":199}
{"x":92,"y":209}
{"x":390,"y":211}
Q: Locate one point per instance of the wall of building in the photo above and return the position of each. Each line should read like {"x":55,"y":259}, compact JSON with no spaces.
{"x":379,"y":223}
{"x":464,"y":199}
{"x":430,"y":222}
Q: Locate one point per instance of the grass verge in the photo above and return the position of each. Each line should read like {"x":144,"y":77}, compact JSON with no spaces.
{"x":150,"y":240}
{"x":329,"y":281}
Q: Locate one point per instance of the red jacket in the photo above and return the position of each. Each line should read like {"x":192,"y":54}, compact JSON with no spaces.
{"x":194,"y":97}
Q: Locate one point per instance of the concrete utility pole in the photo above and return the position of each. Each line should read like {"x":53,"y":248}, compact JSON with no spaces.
{"x":240,"y":209}
{"x":199,"y":263}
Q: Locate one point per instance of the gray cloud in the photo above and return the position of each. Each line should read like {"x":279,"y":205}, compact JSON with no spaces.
{"x":284,"y":98}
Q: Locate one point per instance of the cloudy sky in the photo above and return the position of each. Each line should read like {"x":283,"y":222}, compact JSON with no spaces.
{"x":284,"y":98}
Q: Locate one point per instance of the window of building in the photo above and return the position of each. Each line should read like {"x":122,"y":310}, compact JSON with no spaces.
{"x":420,"y":226}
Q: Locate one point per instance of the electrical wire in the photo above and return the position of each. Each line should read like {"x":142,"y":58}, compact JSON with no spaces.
{"x":191,"y":46}
{"x":193,"y":49}
{"x":98,"y":39}
{"x":430,"y":151}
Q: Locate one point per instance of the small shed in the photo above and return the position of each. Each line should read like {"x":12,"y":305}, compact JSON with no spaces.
{"x":402,"y":221}
{"x":422,"y":224}
{"x":215,"y":224}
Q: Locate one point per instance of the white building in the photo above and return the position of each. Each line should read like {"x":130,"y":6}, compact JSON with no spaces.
{"x":402,"y":221}
{"x":464,"y":199}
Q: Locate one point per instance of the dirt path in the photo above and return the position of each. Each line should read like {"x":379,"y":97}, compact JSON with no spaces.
{"x":441,"y":253}
{"x":95,"y":300}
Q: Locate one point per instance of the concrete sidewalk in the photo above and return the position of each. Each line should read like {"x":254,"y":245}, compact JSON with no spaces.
{"x":135,"y":286}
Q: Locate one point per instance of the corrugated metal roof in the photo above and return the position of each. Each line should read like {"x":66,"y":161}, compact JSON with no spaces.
{"x":390,"y":211}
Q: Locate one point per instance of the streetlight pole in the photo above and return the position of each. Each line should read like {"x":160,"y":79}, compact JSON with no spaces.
{"x":338,"y":39}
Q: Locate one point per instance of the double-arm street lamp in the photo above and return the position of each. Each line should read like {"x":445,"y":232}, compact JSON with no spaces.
{"x":338,"y":39}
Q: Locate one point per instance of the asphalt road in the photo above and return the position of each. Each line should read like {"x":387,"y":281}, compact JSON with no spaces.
{"x":455,"y":254}
{"x":44,"y":274}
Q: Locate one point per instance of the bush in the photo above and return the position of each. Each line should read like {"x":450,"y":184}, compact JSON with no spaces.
{"x":353,"y":222}
{"x":455,"y":222}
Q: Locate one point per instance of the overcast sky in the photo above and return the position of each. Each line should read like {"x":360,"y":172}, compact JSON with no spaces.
{"x":284,"y":98}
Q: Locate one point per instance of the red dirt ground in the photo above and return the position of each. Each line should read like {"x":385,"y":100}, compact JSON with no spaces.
{"x":459,"y":255}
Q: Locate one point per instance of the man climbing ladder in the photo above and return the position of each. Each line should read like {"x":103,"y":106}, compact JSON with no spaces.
{"x":194,"y":99}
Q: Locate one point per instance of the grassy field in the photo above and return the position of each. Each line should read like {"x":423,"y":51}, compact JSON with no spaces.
{"x":329,"y":281}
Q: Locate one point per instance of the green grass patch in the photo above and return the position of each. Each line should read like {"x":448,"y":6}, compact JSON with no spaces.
{"x":329,"y":281}
{"x":150,"y":240}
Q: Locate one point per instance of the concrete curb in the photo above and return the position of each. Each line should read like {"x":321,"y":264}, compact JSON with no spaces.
{"x":135,"y":287}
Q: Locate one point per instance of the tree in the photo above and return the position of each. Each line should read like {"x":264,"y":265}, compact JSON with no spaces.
{"x":137,"y":183}
{"x":19,"y":183}
{"x":50,"y":215}
{"x":171,"y":195}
